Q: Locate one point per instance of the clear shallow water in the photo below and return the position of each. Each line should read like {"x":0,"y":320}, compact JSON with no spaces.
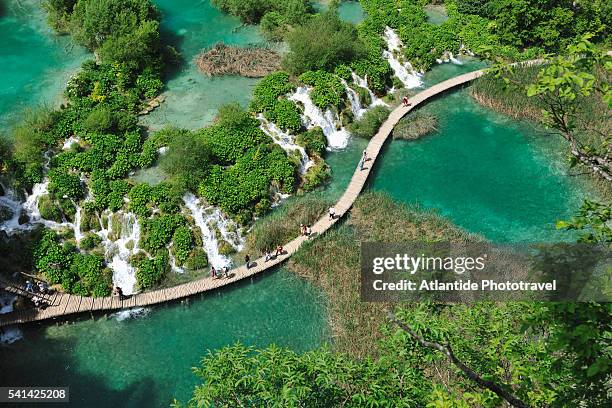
{"x":35,"y":63}
{"x":486,"y":173}
{"x":146,"y":361}
{"x":192,"y":99}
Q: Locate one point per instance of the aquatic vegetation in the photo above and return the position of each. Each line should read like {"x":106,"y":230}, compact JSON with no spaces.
{"x":368,"y":124}
{"x":276,"y":18}
{"x":415,"y":126}
{"x":223,"y":59}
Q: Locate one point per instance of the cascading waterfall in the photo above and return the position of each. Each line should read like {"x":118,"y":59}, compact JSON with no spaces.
{"x":404,"y":72}
{"x":353,"y":98}
{"x":10,"y":334}
{"x":70,"y":141}
{"x":286,"y":141}
{"x":204,"y":217}
{"x":337,"y":136}
{"x":448,"y":57}
{"x":363,"y":83}
{"x":9,"y":202}
{"x":118,"y":253}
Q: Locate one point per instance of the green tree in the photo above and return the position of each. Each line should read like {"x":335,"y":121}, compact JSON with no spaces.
{"x":322,"y":43}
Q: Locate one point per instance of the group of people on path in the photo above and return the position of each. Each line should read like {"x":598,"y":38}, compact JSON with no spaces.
{"x":268,"y":254}
{"x":305,"y":230}
{"x":41,"y":287}
{"x":219,"y":273}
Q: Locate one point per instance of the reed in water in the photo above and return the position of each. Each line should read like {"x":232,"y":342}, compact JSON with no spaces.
{"x":253,"y":62}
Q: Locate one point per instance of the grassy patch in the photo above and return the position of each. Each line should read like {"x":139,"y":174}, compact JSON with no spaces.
{"x":332,"y":263}
{"x":415,"y":126}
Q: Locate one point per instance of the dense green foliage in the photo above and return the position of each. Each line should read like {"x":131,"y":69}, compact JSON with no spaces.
{"x":150,"y":272}
{"x":368,"y":124}
{"x":322,"y":43}
{"x":241,"y":376}
{"x":83,"y":274}
{"x":512,"y":29}
{"x":327,"y":89}
{"x":313,"y":140}
{"x":269,"y":98}
{"x":276,"y":17}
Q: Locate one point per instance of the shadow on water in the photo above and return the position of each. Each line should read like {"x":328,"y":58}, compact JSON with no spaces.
{"x":57,"y":368}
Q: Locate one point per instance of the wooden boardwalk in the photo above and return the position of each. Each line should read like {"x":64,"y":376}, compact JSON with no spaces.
{"x":65,"y":304}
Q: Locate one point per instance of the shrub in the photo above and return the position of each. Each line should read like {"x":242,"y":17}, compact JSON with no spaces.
{"x":322,"y":43}
{"x":90,"y":241}
{"x":316,"y":175}
{"x":369,"y":123}
{"x":63,"y":184}
{"x":150,"y":272}
{"x":157,"y":232}
{"x":327,"y":89}
{"x":313,"y":140}
{"x":187,"y":160}
{"x":182,"y":243}
{"x":48,"y":209}
{"x":99,"y":120}
{"x":197,"y":259}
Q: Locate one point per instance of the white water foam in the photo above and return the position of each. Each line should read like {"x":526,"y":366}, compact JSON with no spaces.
{"x":286,"y":141}
{"x":135,"y":313}
{"x":118,"y":254}
{"x":10,"y":334}
{"x":70,"y":141}
{"x":205,"y":218}
{"x":337,"y":136}
{"x":404,"y":72}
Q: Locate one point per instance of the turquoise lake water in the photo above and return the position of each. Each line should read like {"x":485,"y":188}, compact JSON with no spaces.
{"x":486,"y":173}
{"x":146,"y":361}
{"x":35,"y":63}
{"x":192,"y":99}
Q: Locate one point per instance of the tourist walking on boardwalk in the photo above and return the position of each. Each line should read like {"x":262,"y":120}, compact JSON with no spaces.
{"x":267,"y":256}
{"x":213,"y":272}
{"x":405,"y":101}
{"x":302,"y":229}
{"x":308,"y":231}
{"x":42,"y":287}
{"x":29,"y":287}
{"x":279,"y":250}
{"x":332,"y":213}
{"x":118,"y":292}
{"x":247,"y":260}
{"x":226,"y":271}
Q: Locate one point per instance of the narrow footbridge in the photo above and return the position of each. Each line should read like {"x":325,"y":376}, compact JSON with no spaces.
{"x":62,"y":304}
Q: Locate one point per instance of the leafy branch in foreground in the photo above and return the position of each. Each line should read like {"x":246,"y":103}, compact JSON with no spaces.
{"x":571,"y":88}
{"x":446,"y":349}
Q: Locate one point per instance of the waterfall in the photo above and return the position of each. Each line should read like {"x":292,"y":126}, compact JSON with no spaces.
{"x":173,"y":265}
{"x":336,"y":138}
{"x":363,"y":83}
{"x":118,"y":254}
{"x":286,"y":141}
{"x":203,"y":217}
{"x":404,"y":72}
{"x":9,"y":202}
{"x":10,"y":334}
{"x":70,"y":141}
{"x":353,"y":98}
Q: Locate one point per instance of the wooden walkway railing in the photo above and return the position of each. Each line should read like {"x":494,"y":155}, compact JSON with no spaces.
{"x":65,"y":304}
